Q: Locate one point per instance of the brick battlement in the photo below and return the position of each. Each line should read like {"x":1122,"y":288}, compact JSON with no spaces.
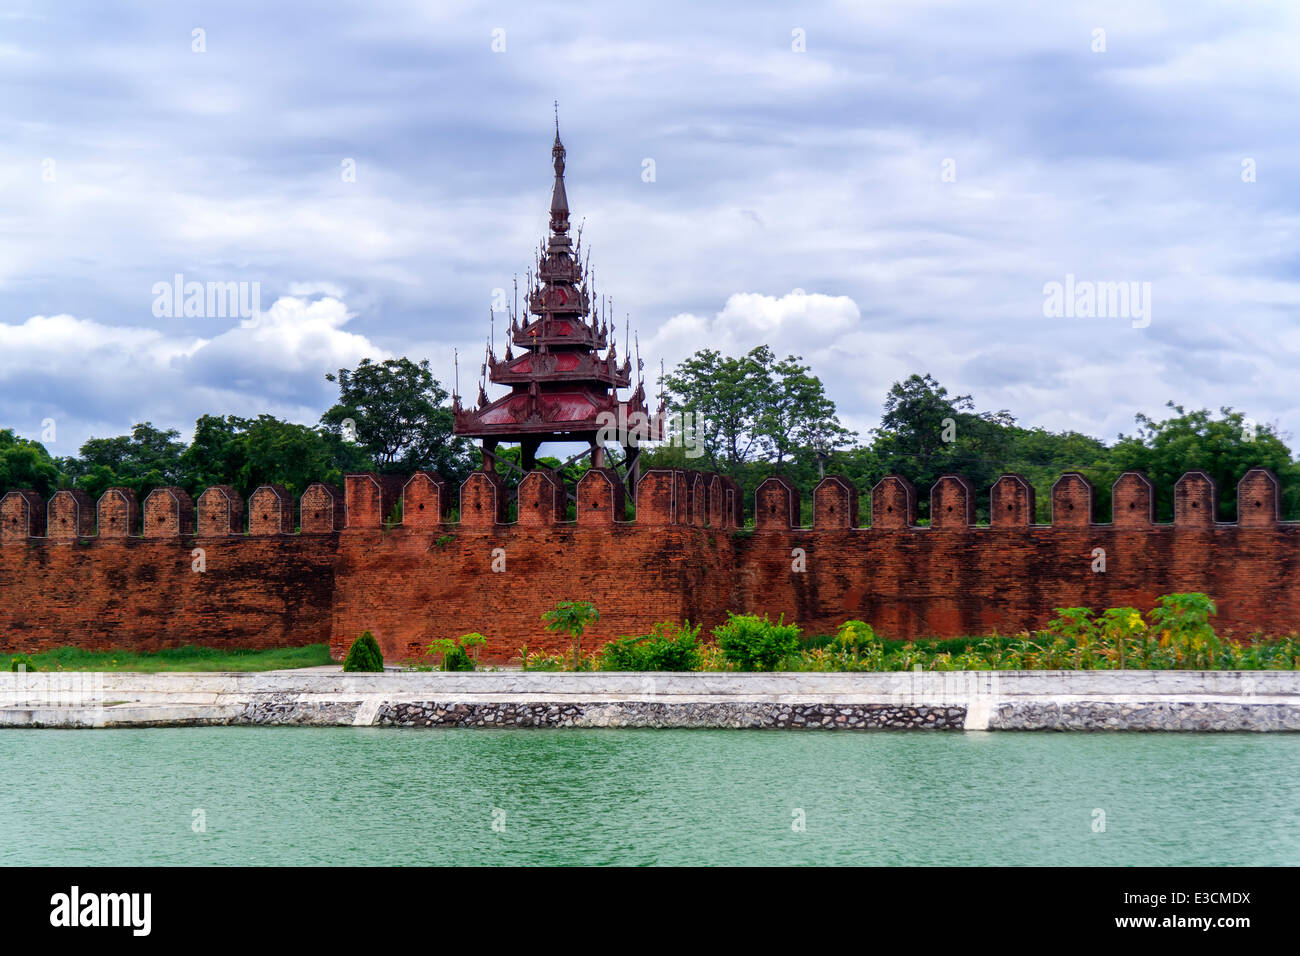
{"x":275,"y":572}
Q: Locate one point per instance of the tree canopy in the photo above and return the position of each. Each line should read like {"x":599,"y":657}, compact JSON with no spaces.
{"x":25,"y":464}
{"x":760,"y":416}
{"x":753,"y":411}
{"x":756,"y":415}
{"x":398,"y":413}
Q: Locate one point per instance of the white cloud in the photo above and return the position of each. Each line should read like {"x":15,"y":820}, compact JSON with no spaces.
{"x":99,"y":379}
{"x":798,"y":322}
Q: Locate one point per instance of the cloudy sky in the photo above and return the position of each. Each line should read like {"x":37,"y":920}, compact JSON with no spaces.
{"x":883,"y":188}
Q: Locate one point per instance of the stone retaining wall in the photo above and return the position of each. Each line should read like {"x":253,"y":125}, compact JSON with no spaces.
{"x":731,"y":714}
{"x":981,"y":700}
{"x":1146,"y":715}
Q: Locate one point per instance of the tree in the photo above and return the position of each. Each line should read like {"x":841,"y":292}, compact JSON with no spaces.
{"x":364,"y":655}
{"x":924,"y":434}
{"x":572,"y":617}
{"x":397,"y":412}
{"x":229,"y":450}
{"x":723,"y":394}
{"x":796,"y":414}
{"x":146,"y":459}
{"x":26,"y":464}
{"x":753,"y":415}
{"x":1042,"y":456}
{"x":1225,"y":448}
{"x":280,"y":452}
{"x":216,"y":455}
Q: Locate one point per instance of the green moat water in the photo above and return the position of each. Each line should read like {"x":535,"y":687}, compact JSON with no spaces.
{"x":299,"y":795}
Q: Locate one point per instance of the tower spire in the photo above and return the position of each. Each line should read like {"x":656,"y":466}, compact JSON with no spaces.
{"x":559,"y":199}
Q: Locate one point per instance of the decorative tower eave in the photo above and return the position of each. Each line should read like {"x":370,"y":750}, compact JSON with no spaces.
{"x":561,"y":389}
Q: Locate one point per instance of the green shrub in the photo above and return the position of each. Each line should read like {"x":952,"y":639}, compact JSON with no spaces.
{"x":667,"y":647}
{"x":22,"y":662}
{"x":454,"y":652}
{"x":364,"y":655}
{"x":456,"y":659}
{"x":756,"y":644}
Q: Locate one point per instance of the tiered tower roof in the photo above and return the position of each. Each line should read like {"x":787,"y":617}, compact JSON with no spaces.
{"x":560,"y":382}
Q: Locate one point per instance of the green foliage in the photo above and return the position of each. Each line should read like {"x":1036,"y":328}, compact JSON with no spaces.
{"x":401,"y":418}
{"x":457,"y":660}
{"x":1182,"y":622}
{"x":547,"y":662}
{"x":364,"y":655}
{"x":509,"y":460}
{"x":20,"y":662}
{"x":752,"y":643}
{"x":1176,"y":633}
{"x":454,"y":653}
{"x":852,"y":635}
{"x":248,"y":453}
{"x":240,"y":452}
{"x":668,"y":647}
{"x":553,"y":662}
{"x":762,"y":416}
{"x":146,"y":459}
{"x":572,"y":618}
{"x":399,"y":410}
{"x":190,"y":657}
{"x":925,"y":434}
{"x":725,"y":394}
{"x":758,"y":415}
{"x":754,"y":414}
{"x":1225,"y":448}
{"x":26,"y":464}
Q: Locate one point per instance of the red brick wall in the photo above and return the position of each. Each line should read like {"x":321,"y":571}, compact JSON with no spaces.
{"x":951,"y":583}
{"x":220,"y":512}
{"x":271,"y":510}
{"x":117,"y":514}
{"x":426,"y":500}
{"x":168,"y":512}
{"x":407,"y":590}
{"x":143,"y":592}
{"x":322,"y":509}
{"x":71,"y":514}
{"x":424,"y":580}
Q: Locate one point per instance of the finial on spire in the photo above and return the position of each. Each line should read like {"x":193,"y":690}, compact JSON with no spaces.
{"x":559,"y":201}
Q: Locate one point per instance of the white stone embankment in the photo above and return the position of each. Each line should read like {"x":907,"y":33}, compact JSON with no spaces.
{"x":971,"y":700}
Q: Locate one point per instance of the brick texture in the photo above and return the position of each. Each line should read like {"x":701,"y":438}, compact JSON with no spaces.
{"x":419,"y":581}
{"x":70,"y":514}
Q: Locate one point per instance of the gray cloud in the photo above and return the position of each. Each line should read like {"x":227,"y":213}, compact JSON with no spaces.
{"x":776,"y":170}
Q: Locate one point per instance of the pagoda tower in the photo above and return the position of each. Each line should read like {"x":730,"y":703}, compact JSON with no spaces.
{"x":562,"y":389}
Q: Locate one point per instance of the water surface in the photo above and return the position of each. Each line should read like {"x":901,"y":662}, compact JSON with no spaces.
{"x":303,"y":795}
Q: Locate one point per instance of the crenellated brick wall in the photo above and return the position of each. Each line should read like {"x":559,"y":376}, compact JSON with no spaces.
{"x":111,"y":573}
